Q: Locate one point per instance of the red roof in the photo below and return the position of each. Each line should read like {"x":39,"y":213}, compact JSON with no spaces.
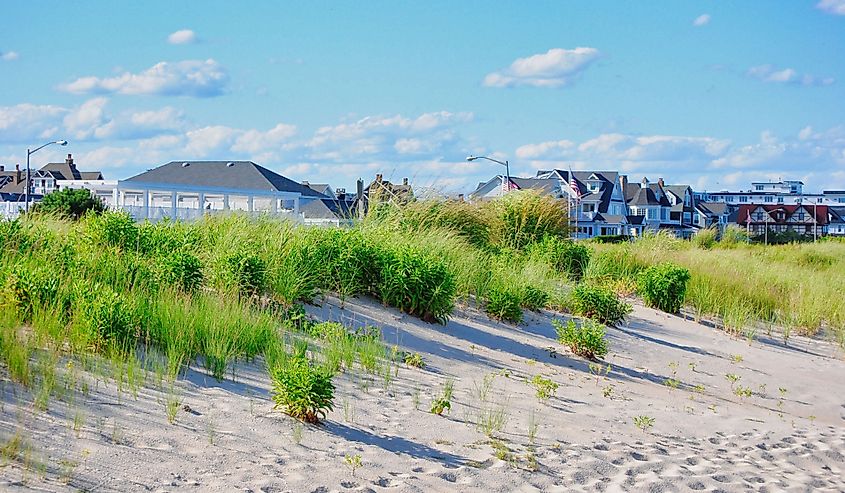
{"x":819,"y":210}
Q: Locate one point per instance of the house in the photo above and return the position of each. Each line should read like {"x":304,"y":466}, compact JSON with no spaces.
{"x":682,"y":209}
{"x":836,"y":221}
{"x":495,"y":187}
{"x":802,"y":219}
{"x":381,"y":190}
{"x":650,"y":201}
{"x":597,"y":202}
{"x":712,"y":214}
{"x":329,"y":211}
{"x":321,"y":188}
{"x":189,"y":189}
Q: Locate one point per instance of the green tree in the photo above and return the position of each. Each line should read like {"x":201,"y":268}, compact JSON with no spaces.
{"x":69,"y":202}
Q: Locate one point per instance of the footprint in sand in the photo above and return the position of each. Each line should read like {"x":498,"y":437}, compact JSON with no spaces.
{"x":696,"y":485}
{"x":638,"y":456}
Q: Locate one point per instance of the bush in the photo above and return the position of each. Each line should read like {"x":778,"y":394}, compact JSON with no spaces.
{"x":705,"y":238}
{"x":663,"y":286}
{"x":416,"y":283}
{"x":525,"y":217}
{"x":504,"y":304}
{"x":304,"y":391}
{"x":70,"y":203}
{"x":533,"y":298}
{"x":180,"y":269}
{"x":586,"y":341}
{"x":733,"y":235}
{"x":598,"y":303}
{"x":246,"y":271}
{"x":563,"y":255}
{"x":104,"y":316}
{"x":26,"y":288}
{"x":113,"y":228}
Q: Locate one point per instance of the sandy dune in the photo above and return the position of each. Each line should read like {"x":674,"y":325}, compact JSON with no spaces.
{"x":704,"y":436}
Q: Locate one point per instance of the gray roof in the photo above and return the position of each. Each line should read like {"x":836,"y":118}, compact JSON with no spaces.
{"x":327,"y":208}
{"x":602,"y":197}
{"x":238,"y":175}
{"x":551,"y":187}
{"x":837,"y":213}
{"x":67,"y":171}
{"x":678,"y":190}
{"x":636,"y":194}
{"x":717,"y":208}
{"x":611,"y":218}
{"x":321,"y":188}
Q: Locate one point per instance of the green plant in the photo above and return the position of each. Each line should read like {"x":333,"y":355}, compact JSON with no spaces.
{"x":743,"y":392}
{"x":544,"y":387}
{"x":736,"y":358}
{"x":443,"y":402}
{"x":599,"y":303}
{"x":491,"y":421}
{"x":247,"y":271}
{"x":304,"y":391}
{"x":733,"y":379}
{"x":70,"y":203}
{"x":607,"y":392}
{"x":564,"y":255}
{"x":504,"y":303}
{"x":587,"y":341}
{"x":415,"y":360}
{"x":353,"y":461}
{"x":663,"y":286}
{"x":643,"y":422}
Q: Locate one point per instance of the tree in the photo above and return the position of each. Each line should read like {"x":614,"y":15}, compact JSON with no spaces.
{"x":70,"y":203}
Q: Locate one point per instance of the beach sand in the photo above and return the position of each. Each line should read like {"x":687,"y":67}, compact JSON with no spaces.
{"x":704,"y":436}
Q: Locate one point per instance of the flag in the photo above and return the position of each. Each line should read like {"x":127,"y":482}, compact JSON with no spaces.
{"x":573,"y":186}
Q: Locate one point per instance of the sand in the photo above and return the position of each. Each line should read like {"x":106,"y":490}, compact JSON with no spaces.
{"x":704,"y":437}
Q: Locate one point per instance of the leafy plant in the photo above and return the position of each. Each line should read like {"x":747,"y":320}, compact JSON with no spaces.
{"x":71,"y":203}
{"x":663,"y":286}
{"x":304,"y":390}
{"x":544,"y":387}
{"x":247,"y":271}
{"x":353,"y":461}
{"x":504,"y":303}
{"x":443,"y":402}
{"x":415,"y":360}
{"x":598,"y":303}
{"x":643,"y":422}
{"x":587,"y":341}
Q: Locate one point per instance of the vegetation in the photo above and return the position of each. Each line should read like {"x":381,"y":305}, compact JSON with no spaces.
{"x":598,"y":302}
{"x":663,"y":286}
{"x":303,"y":389}
{"x":69,"y":203}
{"x":587,"y":340}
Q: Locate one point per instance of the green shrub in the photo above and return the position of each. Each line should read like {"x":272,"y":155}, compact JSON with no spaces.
{"x":533,"y":298}
{"x":113,"y":228}
{"x":180,"y":269}
{"x":416,"y":283}
{"x":166,"y":237}
{"x":733,"y":235}
{"x":563,"y":255}
{"x":246,"y":271}
{"x":586,"y":341}
{"x":599,"y":303}
{"x":27,"y":287}
{"x":104,"y":316}
{"x":504,"y":303}
{"x":303,"y":390}
{"x":69,"y":203}
{"x":706,"y":238}
{"x":663,"y":286}
{"x":524,"y":217}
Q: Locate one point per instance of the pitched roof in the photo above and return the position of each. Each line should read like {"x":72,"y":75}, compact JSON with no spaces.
{"x":837,"y":214}
{"x":608,"y":181}
{"x":67,"y":171}
{"x":636,"y":194}
{"x":321,"y":188}
{"x":238,"y":175}
{"x":549,"y":186}
{"x":327,"y":208}
{"x":820,"y":211}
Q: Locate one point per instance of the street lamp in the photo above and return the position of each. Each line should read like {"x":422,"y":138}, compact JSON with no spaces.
{"x":505,"y":164}
{"x":30,"y":153}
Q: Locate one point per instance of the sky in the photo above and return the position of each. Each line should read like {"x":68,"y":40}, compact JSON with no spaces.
{"x":710,"y":94}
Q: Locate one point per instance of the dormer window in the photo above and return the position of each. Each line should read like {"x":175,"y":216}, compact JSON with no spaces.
{"x":594,"y":186}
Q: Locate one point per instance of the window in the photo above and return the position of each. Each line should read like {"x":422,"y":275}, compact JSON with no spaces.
{"x":768,"y":198}
{"x":651,"y":214}
{"x":758,"y":187}
{"x":730,"y":198}
{"x":743,"y":198}
{"x":663,"y":214}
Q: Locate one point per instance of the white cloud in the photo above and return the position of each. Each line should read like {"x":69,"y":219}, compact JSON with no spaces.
{"x":195,"y":78}
{"x":835,"y":7}
{"x":182,"y":37}
{"x":256,"y":141}
{"x":26,"y":122}
{"x":9,"y":56}
{"x":768,"y":73}
{"x":88,"y":120}
{"x":556,"y":68}
{"x":701,"y":20}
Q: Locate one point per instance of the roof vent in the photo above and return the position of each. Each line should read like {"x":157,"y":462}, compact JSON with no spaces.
{"x":185,"y":165}
{"x":230,"y":164}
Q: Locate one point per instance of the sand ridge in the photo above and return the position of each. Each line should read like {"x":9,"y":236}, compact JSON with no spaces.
{"x":704,"y":437}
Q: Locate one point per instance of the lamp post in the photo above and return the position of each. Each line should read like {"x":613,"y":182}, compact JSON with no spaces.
{"x":505,"y":164}
{"x":30,"y":153}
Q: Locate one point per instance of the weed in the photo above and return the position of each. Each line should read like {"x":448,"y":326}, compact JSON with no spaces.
{"x":742,"y":392}
{"x":348,"y":411}
{"x":607,"y":392}
{"x":353,"y":461}
{"x":491,"y":421}
{"x":415,"y":360}
{"x":296,"y":433}
{"x":545,"y":388}
{"x":733,"y":379}
{"x":587,"y":341}
{"x":304,"y":391}
{"x":598,"y":303}
{"x":643,"y":422}
{"x":736,"y":358}
{"x":663,"y":286}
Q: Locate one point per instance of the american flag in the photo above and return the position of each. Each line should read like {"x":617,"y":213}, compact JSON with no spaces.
{"x":573,"y":185}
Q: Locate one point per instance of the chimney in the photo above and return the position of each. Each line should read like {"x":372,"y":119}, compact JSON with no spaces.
{"x":623,"y":182}
{"x":305,"y":183}
{"x":69,"y":160}
{"x":359,"y":188}
{"x":405,"y":181}
{"x":341,"y":194}
{"x":378,"y":177}
{"x":17,"y":173}
{"x":644,"y":183}
{"x":2,"y":168}
{"x":660,"y":182}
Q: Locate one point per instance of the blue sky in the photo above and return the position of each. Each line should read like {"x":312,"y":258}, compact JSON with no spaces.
{"x":713,"y":94}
